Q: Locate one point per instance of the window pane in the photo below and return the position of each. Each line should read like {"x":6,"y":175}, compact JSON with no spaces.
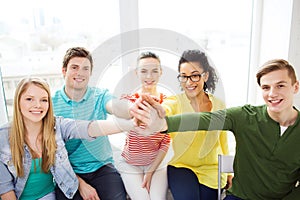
{"x":34,"y":36}
{"x":222,"y":28}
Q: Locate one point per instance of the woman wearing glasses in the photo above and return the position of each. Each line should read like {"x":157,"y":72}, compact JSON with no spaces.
{"x":192,"y":172}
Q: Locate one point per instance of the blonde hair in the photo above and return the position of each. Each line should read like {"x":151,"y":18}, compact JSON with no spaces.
{"x":17,"y":132}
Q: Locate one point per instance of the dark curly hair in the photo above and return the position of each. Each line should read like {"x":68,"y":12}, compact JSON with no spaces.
{"x":196,"y":55}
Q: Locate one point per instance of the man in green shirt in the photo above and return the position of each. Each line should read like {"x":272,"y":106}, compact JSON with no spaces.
{"x":267,"y":160}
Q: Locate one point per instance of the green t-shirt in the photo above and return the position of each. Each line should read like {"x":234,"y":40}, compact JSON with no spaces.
{"x":267,"y":165}
{"x":38,"y":183}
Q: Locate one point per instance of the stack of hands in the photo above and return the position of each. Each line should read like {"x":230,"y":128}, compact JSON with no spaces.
{"x":148,"y":115}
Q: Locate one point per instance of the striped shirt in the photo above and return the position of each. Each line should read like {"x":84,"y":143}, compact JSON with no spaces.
{"x":142,"y":150}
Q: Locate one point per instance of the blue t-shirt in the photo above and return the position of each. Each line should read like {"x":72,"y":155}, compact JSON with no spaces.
{"x":85,"y":156}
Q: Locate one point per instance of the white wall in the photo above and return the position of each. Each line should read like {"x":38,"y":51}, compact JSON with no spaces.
{"x":294,"y":48}
{"x":276,"y":34}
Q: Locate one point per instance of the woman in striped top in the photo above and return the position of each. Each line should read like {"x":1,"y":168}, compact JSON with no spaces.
{"x":141,"y":167}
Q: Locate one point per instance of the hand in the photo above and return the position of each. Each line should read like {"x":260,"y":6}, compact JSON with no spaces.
{"x":10,"y":195}
{"x":154,"y":102}
{"x":87,"y":192}
{"x":147,"y":181}
{"x":229,"y":182}
{"x":148,"y":115}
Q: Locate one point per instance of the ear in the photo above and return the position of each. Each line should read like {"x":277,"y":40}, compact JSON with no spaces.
{"x":206,"y":76}
{"x":64,"y":71}
{"x":296,"y":85}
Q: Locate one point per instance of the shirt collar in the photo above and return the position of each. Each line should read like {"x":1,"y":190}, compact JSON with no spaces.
{"x":68,"y":100}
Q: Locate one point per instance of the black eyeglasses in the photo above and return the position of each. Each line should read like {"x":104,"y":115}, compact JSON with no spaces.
{"x":193,"y":78}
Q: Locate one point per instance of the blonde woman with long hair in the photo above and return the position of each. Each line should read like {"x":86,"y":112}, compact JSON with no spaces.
{"x":32,"y":151}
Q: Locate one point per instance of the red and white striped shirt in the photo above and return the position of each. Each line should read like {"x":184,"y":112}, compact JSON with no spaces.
{"x":142,"y":150}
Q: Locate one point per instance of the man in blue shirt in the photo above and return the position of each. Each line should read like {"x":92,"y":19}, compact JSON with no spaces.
{"x":91,"y":161}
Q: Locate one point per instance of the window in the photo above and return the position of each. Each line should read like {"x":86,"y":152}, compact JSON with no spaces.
{"x":218,"y":27}
{"x":35,"y":36}
{"x":3,"y":109}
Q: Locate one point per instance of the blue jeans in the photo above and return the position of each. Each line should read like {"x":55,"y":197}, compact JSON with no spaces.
{"x":106,"y":180}
{"x":184,"y":185}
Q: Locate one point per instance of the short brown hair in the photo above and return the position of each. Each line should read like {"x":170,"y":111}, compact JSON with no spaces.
{"x":274,"y":65}
{"x":77,"y":52}
{"x":148,"y":54}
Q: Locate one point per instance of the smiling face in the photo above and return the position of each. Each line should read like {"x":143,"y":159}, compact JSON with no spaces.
{"x":149,"y":72}
{"x":192,"y":89}
{"x":77,"y":73}
{"x":278,"y":91}
{"x":34,"y":104}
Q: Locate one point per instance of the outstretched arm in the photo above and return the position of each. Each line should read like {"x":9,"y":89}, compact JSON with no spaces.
{"x":119,"y":108}
{"x":142,"y":110}
{"x":149,"y":116}
{"x":110,"y":126}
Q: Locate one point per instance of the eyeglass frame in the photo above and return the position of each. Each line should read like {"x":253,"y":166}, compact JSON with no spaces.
{"x":190,"y":77}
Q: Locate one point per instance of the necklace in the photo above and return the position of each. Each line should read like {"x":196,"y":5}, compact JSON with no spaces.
{"x":35,"y":146}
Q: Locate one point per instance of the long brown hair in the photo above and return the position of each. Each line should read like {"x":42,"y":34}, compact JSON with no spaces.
{"x":17,"y":132}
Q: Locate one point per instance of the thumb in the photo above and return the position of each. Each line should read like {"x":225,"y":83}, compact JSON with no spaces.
{"x":160,"y":110}
{"x":154,"y":102}
{"x":144,"y":183}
